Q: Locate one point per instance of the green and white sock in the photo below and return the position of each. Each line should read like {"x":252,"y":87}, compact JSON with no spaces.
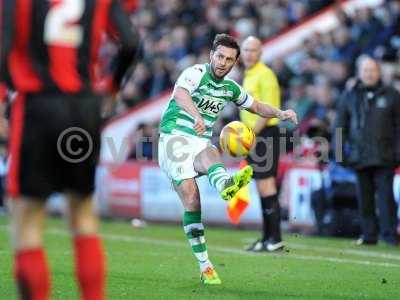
{"x":194,"y":231}
{"x":217,"y":176}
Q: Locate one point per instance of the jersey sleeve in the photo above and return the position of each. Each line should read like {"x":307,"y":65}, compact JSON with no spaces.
{"x":241,"y":98}
{"x":7,"y":31}
{"x":120,"y":28}
{"x":190,"y":78}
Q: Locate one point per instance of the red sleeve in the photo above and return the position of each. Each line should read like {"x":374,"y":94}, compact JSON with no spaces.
{"x":130,"y":5}
{"x":3,"y":92}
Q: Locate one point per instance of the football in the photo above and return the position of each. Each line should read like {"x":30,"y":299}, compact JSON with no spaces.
{"x":236,"y":139}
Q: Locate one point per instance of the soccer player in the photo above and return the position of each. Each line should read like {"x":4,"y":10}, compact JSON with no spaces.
{"x":261,"y":82}
{"x":49,"y":49}
{"x":185,"y":150}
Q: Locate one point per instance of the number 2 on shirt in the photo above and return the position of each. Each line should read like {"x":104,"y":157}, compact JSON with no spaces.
{"x":61,"y":25}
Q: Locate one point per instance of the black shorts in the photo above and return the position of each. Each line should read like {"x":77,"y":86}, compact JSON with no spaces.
{"x":264,"y":157}
{"x":54,"y":144}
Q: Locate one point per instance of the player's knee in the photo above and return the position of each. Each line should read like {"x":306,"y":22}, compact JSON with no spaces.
{"x":28,"y":241}
{"x":84,"y":228}
{"x":269,"y":192}
{"x":82,"y":218}
{"x":84,"y":225}
{"x":26,"y":236}
{"x":267,"y":187}
{"x":192,"y":203}
{"x":27,"y":223}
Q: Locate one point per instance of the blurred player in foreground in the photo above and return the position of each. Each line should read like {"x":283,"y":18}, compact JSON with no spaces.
{"x":48,"y":52}
{"x":185,"y":150}
{"x":261,"y":82}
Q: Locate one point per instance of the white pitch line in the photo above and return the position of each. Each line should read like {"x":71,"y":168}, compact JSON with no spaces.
{"x":132,"y":239}
{"x":346,"y":251}
{"x":365,"y":253}
{"x":126,"y":238}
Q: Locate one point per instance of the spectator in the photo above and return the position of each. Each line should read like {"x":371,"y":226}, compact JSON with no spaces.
{"x":369,"y":116}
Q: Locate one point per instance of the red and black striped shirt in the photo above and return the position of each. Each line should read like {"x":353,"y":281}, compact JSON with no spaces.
{"x":52,"y":45}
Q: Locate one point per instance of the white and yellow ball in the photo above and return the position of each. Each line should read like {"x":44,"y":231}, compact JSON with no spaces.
{"x":236,"y":139}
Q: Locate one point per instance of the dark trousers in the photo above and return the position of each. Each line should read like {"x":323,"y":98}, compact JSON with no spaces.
{"x":377,"y":183}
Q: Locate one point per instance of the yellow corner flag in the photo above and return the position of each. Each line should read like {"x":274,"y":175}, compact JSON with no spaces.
{"x":239,"y":203}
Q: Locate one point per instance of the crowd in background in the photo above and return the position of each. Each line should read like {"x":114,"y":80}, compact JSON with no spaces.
{"x":311,"y":78}
{"x":178,"y":33}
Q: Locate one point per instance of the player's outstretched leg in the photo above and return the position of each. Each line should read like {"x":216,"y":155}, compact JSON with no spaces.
{"x":238,"y":180}
{"x":209,"y":162}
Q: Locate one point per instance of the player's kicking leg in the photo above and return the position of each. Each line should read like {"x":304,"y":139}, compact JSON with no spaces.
{"x":209,"y":162}
{"x":30,"y":264}
{"x":194,"y":229}
{"x":89,"y":257}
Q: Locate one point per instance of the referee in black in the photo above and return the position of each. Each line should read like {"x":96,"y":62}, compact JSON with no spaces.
{"x":261,"y":82}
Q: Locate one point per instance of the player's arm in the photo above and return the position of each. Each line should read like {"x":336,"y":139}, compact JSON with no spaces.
{"x":267,"y":111}
{"x":122,"y":30}
{"x":184,"y":100}
{"x":7,"y":20}
{"x":245,"y":101}
{"x":185,"y":85}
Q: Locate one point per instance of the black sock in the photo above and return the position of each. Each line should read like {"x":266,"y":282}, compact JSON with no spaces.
{"x":271,"y":212}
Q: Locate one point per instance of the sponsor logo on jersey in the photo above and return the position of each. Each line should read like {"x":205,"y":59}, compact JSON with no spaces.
{"x":210,"y":105}
{"x":190,"y":81}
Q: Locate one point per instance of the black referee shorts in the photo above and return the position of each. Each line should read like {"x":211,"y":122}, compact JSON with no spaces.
{"x":54,"y":144}
{"x":264,"y":158}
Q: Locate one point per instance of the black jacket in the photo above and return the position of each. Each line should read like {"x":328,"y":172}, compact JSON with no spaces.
{"x":370,"y":122}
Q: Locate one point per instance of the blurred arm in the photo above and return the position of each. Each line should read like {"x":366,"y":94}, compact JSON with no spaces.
{"x":128,"y":38}
{"x":268,"y":111}
{"x":7,"y":11}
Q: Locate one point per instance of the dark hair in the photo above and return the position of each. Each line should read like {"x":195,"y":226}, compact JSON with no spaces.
{"x":226,"y":40}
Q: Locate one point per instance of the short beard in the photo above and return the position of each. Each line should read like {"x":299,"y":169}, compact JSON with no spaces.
{"x":215,"y":75}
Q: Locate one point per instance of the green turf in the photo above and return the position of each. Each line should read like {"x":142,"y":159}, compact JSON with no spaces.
{"x":156,"y":263}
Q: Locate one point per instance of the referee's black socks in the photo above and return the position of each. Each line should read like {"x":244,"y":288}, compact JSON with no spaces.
{"x":271,"y":212}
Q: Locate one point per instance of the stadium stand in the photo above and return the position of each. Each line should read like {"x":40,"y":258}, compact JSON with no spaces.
{"x":312,"y":77}
{"x":188,"y":29}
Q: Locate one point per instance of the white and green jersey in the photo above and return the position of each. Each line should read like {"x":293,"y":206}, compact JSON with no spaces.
{"x":210,"y":97}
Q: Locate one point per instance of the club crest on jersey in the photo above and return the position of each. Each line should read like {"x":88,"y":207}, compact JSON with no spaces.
{"x":210,"y":105}
{"x":190,"y":81}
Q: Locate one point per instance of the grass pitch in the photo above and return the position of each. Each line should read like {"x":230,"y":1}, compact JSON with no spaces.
{"x":156,"y":263}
